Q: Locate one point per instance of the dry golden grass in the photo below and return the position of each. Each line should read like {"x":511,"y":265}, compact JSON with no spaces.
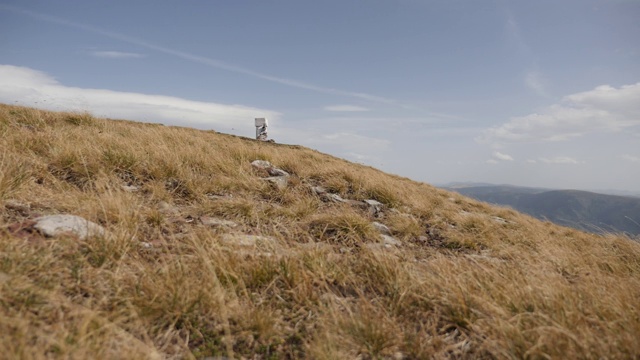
{"x":468,"y":281}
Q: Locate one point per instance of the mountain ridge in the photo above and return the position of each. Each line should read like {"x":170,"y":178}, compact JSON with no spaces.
{"x":584,"y":210}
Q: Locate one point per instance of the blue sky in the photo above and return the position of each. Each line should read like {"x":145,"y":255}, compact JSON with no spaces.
{"x":533,"y":93}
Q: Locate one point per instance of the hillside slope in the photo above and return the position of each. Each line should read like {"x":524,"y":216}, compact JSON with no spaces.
{"x":582,"y":210}
{"x":201,"y":256}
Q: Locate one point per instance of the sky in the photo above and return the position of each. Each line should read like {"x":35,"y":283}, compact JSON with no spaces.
{"x":541,"y":93}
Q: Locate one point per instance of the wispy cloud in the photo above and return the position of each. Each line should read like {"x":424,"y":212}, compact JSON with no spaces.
{"x":201,"y":59}
{"x":29,"y":87}
{"x":535,"y":81}
{"x":603,"y":109}
{"x":560,"y":160}
{"x":634,"y":159}
{"x":345,"y":108}
{"x":492,"y":161}
{"x":500,"y":156}
{"x":116,"y":55}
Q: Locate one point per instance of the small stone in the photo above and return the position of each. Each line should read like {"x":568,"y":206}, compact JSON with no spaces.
{"x":55,"y":225}
{"x":390,"y":240}
{"x":261,"y":164}
{"x":215,"y":222}
{"x":318,"y":190}
{"x":332,"y":197}
{"x":381,"y":228}
{"x":374,"y":203}
{"x":269,"y":168}
{"x":280,"y":182}
{"x":130,"y":188}
{"x":499,"y":220}
{"x":219,"y":197}
{"x":375,"y":207}
{"x":277,"y":172}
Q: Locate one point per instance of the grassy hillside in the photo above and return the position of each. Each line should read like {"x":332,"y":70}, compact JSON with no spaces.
{"x":465,"y":280}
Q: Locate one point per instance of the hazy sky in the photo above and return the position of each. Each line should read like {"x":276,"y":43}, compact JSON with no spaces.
{"x":534,"y":93}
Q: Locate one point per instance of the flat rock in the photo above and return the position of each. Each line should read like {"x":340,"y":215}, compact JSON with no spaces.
{"x":281,"y":182}
{"x":215,"y":222}
{"x":248,"y":240}
{"x":269,"y":168}
{"x":55,"y":225}
{"x":381,"y":228}
{"x":375,"y":207}
{"x":390,"y":240}
{"x":274,"y":171}
{"x":374,"y":203}
{"x":130,"y":188}
{"x":332,"y":197}
{"x":500,"y":220}
{"x":261,"y":164}
{"x":318,"y":190}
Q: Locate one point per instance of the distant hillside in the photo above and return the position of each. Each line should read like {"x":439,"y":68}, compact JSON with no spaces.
{"x":583,"y":210}
{"x":123,"y":240}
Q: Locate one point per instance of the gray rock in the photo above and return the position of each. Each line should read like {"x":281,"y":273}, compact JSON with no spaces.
{"x":280,"y":182}
{"x":499,"y":220}
{"x":55,"y":225}
{"x":215,"y":222}
{"x":277,"y":172}
{"x":390,"y":240}
{"x":261,"y":164}
{"x":381,"y":228}
{"x":375,"y":207}
{"x":269,"y":168}
{"x":333,"y":197}
{"x":374,"y":203}
{"x":130,"y":188}
{"x":219,"y":197}
{"x":318,"y":190}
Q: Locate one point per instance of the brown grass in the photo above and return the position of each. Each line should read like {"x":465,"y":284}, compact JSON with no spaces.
{"x":468,"y":281}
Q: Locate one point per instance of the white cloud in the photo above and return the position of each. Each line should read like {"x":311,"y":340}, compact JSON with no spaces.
{"x":531,"y":161}
{"x":603,"y":109}
{"x":500,"y":156}
{"x":29,"y":87}
{"x":634,"y":159}
{"x":345,"y":108}
{"x":560,"y":160}
{"x":116,"y":55}
{"x":492,"y":161}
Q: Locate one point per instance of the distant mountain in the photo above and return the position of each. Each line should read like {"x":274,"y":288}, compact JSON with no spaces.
{"x":592,"y":212}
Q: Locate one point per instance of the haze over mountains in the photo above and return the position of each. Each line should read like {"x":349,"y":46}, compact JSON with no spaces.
{"x":584,"y":210}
